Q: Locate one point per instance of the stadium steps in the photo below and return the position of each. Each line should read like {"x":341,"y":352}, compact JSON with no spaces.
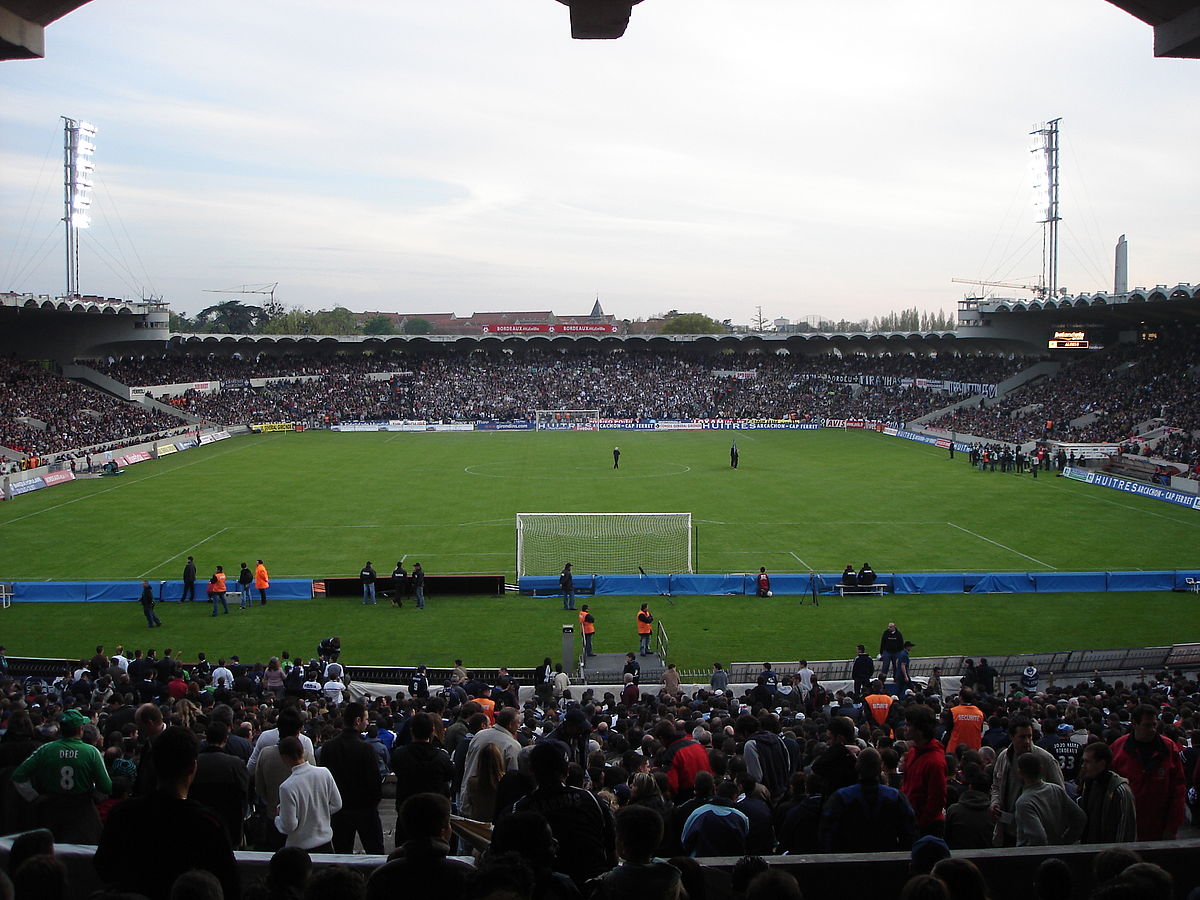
{"x":606,"y":668}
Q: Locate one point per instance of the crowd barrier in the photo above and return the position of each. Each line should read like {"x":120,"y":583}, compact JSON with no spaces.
{"x":129,"y":591}
{"x":1009,"y":872}
{"x":896,"y":583}
{"x":733,"y":584}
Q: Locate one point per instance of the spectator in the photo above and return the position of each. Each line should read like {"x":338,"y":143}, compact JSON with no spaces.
{"x":308,"y":798}
{"x":1044,"y":814}
{"x":1106,"y":798}
{"x":420,"y":867}
{"x":146,"y":860}
{"x":868,"y":816}
{"x":1152,"y":765}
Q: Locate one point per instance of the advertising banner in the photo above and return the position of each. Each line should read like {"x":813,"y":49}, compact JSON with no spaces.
{"x":1153,"y":491}
{"x":28,"y":486}
{"x":206,"y":439}
{"x":558,"y":328}
{"x":273,"y":426}
{"x":184,"y":445}
{"x":130,"y":459}
{"x":505,"y":426}
{"x":221,"y":436}
{"x":165,"y":450}
{"x":54,"y":478}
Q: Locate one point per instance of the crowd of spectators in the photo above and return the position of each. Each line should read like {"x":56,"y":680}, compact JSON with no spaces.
{"x":498,"y":385}
{"x":75,"y":416}
{"x":574,"y":781}
{"x":1116,"y":390}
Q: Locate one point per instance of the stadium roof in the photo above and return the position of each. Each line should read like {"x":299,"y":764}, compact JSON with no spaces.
{"x":1176,"y":24}
{"x":1161,"y":305}
{"x":23,"y":25}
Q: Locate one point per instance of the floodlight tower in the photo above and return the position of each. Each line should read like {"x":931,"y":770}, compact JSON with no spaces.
{"x":79,"y":148}
{"x":1044,"y":165}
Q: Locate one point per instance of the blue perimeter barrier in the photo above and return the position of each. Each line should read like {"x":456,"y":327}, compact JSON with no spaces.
{"x":897,"y":583}
{"x":130,"y":591}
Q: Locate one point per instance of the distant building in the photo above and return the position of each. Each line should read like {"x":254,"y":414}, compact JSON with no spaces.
{"x":502,"y":322}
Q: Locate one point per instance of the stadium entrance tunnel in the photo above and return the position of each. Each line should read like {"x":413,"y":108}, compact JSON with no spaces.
{"x":435,"y":585}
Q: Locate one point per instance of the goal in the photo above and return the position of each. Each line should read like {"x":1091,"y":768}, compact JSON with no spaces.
{"x":567,"y":419}
{"x":604,"y":543}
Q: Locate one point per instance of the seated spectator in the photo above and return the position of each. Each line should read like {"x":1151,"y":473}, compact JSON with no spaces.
{"x":866,"y":575}
{"x":849,"y":576}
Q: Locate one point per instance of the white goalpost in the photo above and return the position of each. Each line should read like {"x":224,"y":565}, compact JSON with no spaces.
{"x":604,"y":543}
{"x":566,"y":419}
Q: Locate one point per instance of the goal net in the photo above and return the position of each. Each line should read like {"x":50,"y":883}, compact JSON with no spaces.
{"x":604,"y":543}
{"x":567,"y":419}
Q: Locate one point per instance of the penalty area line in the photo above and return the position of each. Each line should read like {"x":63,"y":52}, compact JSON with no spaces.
{"x":802,"y":562}
{"x":184,"y":552}
{"x":1003,"y":546}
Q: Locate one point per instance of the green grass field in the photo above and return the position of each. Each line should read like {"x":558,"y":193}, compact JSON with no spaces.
{"x":319,"y":504}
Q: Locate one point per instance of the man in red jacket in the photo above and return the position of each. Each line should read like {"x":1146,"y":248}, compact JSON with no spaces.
{"x":925,"y":772}
{"x":683,"y":760}
{"x":1154,"y":768}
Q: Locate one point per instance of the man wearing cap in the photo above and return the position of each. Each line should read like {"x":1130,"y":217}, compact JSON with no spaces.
{"x":1068,"y":751}
{"x":574,"y":732}
{"x":61,"y":777}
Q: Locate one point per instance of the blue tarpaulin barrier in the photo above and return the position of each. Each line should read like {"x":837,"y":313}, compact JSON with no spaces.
{"x":936,"y":583}
{"x":1004,"y":583}
{"x":1059,"y":582}
{"x":1141,"y":581}
{"x":130,"y":591}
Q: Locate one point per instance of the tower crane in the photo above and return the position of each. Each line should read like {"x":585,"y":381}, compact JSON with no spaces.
{"x":1036,"y":288}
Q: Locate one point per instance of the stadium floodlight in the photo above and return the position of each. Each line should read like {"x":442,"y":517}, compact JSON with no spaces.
{"x":621,"y":543}
{"x":79,"y":148}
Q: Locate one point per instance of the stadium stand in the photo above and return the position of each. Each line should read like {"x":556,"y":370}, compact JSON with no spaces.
{"x":776,"y":739}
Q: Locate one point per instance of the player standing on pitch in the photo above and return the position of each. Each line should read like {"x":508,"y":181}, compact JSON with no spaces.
{"x":616,"y":457}
{"x":733,"y":455}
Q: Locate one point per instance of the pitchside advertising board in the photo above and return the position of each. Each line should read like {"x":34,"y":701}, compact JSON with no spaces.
{"x":1154,"y":491}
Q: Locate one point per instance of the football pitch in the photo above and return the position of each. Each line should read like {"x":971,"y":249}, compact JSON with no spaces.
{"x":321,"y":504}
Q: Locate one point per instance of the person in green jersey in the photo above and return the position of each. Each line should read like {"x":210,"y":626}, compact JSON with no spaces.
{"x":60,"y":779}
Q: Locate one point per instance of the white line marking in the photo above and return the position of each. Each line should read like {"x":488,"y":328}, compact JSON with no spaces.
{"x":802,"y":562}
{"x":814,"y":522}
{"x":1003,"y":546}
{"x":183,"y":553}
{"x":134,"y":481}
{"x":1149,"y":512}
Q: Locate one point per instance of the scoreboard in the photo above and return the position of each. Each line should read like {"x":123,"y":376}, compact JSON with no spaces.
{"x":1072,"y":339}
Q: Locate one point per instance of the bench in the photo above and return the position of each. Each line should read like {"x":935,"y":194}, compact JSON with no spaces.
{"x":878,"y":589}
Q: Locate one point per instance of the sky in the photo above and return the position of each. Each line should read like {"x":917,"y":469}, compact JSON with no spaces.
{"x":836,"y":159}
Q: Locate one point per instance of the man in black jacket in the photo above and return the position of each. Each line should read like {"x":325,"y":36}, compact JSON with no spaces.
{"x":355,"y":769}
{"x":890,"y":645}
{"x":222,"y":782}
{"x":139,"y":856}
{"x":421,"y":767}
{"x":862,"y":670}
{"x":189,"y":580}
